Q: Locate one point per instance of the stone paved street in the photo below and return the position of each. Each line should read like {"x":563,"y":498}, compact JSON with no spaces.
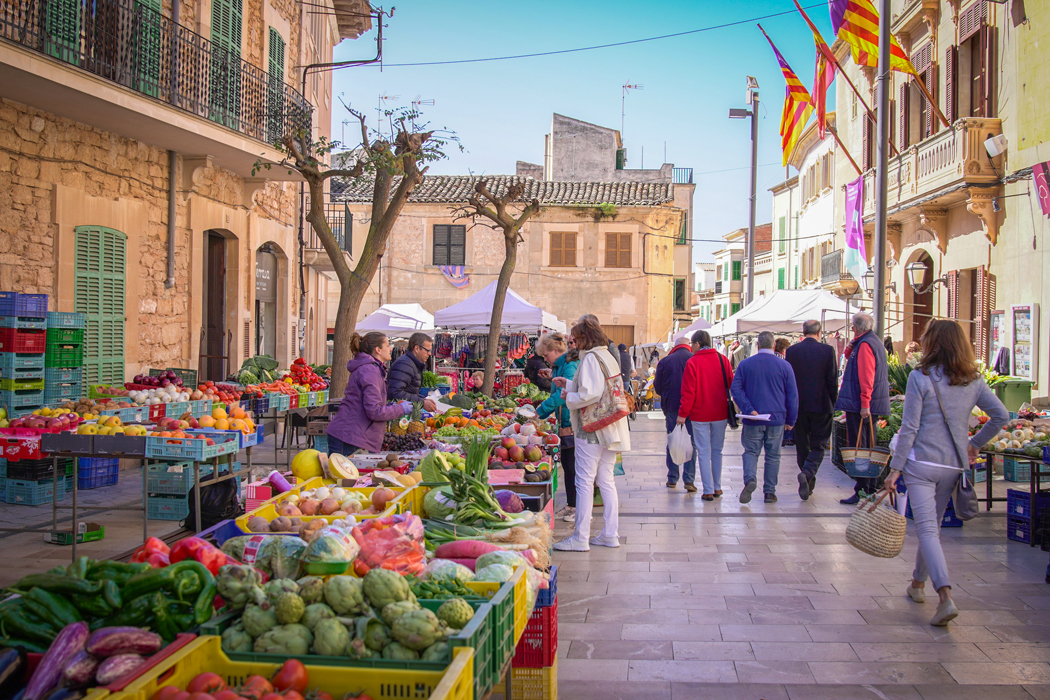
{"x":732,"y":602}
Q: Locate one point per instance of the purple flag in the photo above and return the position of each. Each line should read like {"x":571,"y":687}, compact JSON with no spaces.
{"x":837,"y":9}
{"x":1041,"y":174}
{"x":856,"y":257}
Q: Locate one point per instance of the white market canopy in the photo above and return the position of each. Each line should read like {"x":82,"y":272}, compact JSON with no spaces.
{"x":697,"y":325}
{"x":785,"y":311}
{"x":475,"y":312}
{"x":397,"y":320}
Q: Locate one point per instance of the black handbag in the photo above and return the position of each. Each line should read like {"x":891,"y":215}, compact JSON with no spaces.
{"x":731,"y":419}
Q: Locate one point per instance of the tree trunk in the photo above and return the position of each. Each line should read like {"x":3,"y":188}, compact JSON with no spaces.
{"x":505,"y":273}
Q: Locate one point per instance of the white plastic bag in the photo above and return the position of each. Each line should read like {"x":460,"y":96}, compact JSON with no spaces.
{"x":680,"y":445}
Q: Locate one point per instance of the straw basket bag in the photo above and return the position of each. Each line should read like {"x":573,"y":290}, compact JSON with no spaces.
{"x":876,"y":528}
{"x":865,"y":462}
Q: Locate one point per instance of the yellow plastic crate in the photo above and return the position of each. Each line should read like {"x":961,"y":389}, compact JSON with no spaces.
{"x":521,"y":597}
{"x":268,"y":509}
{"x":205,"y":654}
{"x":96,"y":694}
{"x":534,"y":683}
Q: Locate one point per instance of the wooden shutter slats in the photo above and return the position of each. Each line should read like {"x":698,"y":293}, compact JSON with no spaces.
{"x":568,"y":250}
{"x":972,"y":19}
{"x":457,"y":245}
{"x":441,"y":244}
{"x":903,"y":116}
{"x":556,"y":256}
{"x":951,"y":80}
{"x":953,"y":294}
{"x":612,"y":243}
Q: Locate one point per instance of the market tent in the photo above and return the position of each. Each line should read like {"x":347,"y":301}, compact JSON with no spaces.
{"x":474,"y":313}
{"x":785,"y":311}
{"x":398,"y":320}
{"x":697,"y":325}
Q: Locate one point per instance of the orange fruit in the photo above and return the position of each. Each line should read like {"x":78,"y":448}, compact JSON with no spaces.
{"x":206,"y":422}
{"x":219,"y":414}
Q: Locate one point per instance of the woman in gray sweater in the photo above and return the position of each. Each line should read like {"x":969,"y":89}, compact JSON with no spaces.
{"x":933,"y":447}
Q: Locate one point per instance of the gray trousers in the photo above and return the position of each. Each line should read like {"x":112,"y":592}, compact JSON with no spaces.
{"x":929,"y":490}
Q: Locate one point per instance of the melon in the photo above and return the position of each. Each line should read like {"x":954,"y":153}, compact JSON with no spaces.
{"x":341,"y":467}
{"x":307,"y":465}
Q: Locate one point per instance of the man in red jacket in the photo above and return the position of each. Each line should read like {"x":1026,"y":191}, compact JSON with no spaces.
{"x":705,"y":404}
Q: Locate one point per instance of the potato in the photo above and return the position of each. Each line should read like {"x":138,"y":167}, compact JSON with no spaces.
{"x":258,"y":524}
{"x":383,"y":465}
{"x":309,"y":530}
{"x":281,"y":524}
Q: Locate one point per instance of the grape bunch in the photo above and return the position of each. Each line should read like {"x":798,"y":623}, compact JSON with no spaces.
{"x":401,"y":443}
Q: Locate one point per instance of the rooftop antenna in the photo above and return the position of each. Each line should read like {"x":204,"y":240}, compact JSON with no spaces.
{"x":627,"y":87}
{"x":416,"y":104}
{"x":379,"y":110}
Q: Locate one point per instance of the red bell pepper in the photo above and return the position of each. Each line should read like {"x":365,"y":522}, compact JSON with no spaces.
{"x":199,"y":550}
{"x":151,"y":546}
{"x":159,"y":560}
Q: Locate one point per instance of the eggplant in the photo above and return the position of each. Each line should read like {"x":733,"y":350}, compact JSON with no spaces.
{"x":118,"y":666}
{"x":80,"y":670}
{"x":111,"y":641}
{"x":12,"y":669}
{"x":66,"y":645}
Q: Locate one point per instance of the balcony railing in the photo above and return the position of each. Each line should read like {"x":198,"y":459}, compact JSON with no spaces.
{"x":340,"y":219}
{"x":832,"y":273}
{"x":135,"y":46}
{"x":953,"y":156}
{"x":682,"y":176}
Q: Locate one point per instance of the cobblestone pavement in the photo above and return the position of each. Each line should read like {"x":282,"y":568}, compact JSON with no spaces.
{"x":724,"y":601}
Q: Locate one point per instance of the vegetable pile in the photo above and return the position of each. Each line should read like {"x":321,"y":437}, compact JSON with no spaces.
{"x":301,"y":374}
{"x":290,"y":682}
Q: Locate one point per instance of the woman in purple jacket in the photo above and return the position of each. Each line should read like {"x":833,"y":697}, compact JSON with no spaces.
{"x":361,"y":421}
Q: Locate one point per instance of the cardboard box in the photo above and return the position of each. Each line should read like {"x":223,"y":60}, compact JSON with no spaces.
{"x":86,"y":532}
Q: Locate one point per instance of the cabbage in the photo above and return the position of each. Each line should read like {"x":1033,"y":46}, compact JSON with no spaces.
{"x":497,"y":573}
{"x":509,"y":501}
{"x":433,"y":467}
{"x":438,"y":503}
{"x":502,"y":557}
{"x":446,"y":570}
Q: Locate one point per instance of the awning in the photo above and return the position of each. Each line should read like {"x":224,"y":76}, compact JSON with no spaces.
{"x":785,"y":311}
{"x":475,"y":312}
{"x":398,"y":321}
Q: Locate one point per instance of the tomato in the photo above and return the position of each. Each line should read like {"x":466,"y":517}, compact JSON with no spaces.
{"x":200,"y":696}
{"x":227,"y":695}
{"x":272,"y":696}
{"x":256,"y":687}
{"x":206,"y":682}
{"x":292,"y":675}
{"x":362,"y":696}
{"x":167,"y":692}
{"x":292,"y":694}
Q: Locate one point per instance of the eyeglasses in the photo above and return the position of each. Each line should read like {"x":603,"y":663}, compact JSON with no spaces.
{"x":425,"y":349}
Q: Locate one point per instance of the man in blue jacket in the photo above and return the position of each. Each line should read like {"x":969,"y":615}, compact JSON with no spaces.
{"x":668,"y":385}
{"x":405,"y":377}
{"x":764,"y":384}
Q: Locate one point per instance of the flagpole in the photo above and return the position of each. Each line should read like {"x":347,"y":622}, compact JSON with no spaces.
{"x":835,"y":133}
{"x":929,"y":99}
{"x":871,"y":114}
{"x":882,"y":166}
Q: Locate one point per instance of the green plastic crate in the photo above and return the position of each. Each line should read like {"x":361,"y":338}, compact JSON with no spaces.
{"x":501,"y":637}
{"x":20,"y":383}
{"x":64,"y":356}
{"x":65,"y":336}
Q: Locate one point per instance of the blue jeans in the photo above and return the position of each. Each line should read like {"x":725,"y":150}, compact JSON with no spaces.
{"x":754,"y":438}
{"x":689,"y":468}
{"x":709,"y":437}
{"x":337,"y":446}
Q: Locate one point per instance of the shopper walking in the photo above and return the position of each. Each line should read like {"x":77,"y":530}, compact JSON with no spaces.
{"x":764,"y":385}
{"x":668,"y":385}
{"x":565,"y":360}
{"x":934,"y":447}
{"x":595,"y":452}
{"x":405,"y":379}
{"x":865,"y":392}
{"x":626,"y":364}
{"x":817,"y":382}
{"x":705,"y":406}
{"x":363,"y":413}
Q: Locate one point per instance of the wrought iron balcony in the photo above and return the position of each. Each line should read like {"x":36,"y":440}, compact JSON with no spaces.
{"x":130,"y":44}
{"x":832,"y":274}
{"x":341,"y":220}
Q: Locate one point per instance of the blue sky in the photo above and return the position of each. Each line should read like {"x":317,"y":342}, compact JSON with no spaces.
{"x":501,"y":110}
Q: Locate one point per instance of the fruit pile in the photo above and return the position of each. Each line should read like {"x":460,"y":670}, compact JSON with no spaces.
{"x":401,"y":443}
{"x":301,"y":374}
{"x":227,"y":393}
{"x":163,"y":379}
{"x":87,"y":408}
{"x":236,"y":419}
{"x":110,"y":425}
{"x":54,"y":421}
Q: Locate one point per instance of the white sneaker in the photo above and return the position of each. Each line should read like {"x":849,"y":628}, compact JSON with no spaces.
{"x":917,"y":594}
{"x":603,"y":541}
{"x":569,"y":514}
{"x":946,"y":612}
{"x":571,"y":544}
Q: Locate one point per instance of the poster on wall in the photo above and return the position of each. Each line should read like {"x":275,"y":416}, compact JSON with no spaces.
{"x":999,"y":343}
{"x":1024,"y":340}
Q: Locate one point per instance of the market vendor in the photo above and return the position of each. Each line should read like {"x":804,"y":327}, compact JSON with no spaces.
{"x":361,"y":420}
{"x":405,"y":377}
{"x":532,"y":371}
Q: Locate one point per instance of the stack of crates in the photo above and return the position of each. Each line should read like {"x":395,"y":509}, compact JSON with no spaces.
{"x":1021,"y":523}
{"x":63,"y":375}
{"x":23,"y":320}
{"x":31,"y":482}
{"x":534,"y":671}
{"x":169,"y":487}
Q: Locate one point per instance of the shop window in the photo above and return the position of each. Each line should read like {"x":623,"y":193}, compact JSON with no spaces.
{"x":450,"y":244}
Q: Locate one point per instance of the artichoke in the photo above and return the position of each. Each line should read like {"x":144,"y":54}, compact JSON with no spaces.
{"x":287,"y":640}
{"x":344,"y":594}
{"x":383,"y":587}
{"x":235,"y":638}
{"x":315,"y":613}
{"x":280,"y":585}
{"x":377,"y":635}
{"x":311,"y":589}
{"x":288,"y":607}
{"x":358,"y":650}
{"x":417,"y":629}
{"x":239,"y":585}
{"x":258,"y":621}
{"x":438,"y":651}
{"x":391,"y":612}
{"x":396,"y":652}
{"x":331,"y":638}
{"x":456,"y":612}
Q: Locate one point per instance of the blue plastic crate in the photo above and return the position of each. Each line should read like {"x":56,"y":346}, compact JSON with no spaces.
{"x":261,"y":405}
{"x":251,"y":440}
{"x":1017,"y":529}
{"x":21,"y":399}
{"x":64,"y":375}
{"x":33,"y":493}
{"x":61,"y":319}
{"x":3,"y":488}
{"x":21,"y":411}
{"x":949,"y":519}
{"x":173,"y":478}
{"x":1019,"y":470}
{"x":3,"y":468}
{"x":36,"y":324}
{"x":20,"y":360}
{"x":167,"y":507}
{"x":28,"y":373}
{"x":94,"y":473}
{"x":132,"y":414}
{"x":57,"y":393}
{"x":15,"y":304}
{"x":1019,"y":504}
{"x":545,"y":598}
{"x":189,"y":448}
{"x":321,"y":443}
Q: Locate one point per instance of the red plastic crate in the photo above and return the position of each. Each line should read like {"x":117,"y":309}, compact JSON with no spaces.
{"x":538,"y":646}
{"x":17,"y":340}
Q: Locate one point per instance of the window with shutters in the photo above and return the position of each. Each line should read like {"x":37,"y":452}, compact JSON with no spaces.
{"x":679,"y":295}
{"x":563,"y":249}
{"x":148,"y":31}
{"x":225,"y":67}
{"x":927,"y":73}
{"x":904,"y":116}
{"x":450,"y":244}
{"x":780,"y":278}
{"x":275,"y":99}
{"x":683,"y":235}
{"x":736,"y":269}
{"x":984,"y":290}
{"x":781,"y":233}
{"x":951,"y":84}
{"x":618,"y":249}
{"x":953,"y":294}
{"x":62,"y":25}
{"x":100,"y":263}
{"x":718,"y":272}
{"x":976,"y":58}
{"x":734,"y":308}
{"x":867,"y":152}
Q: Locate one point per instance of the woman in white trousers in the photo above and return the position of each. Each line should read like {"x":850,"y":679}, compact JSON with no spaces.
{"x":595,"y":451}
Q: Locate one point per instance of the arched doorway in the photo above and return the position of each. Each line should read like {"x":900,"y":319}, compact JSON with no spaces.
{"x":921,"y":307}
{"x":266,"y":301}
{"x":218,"y":299}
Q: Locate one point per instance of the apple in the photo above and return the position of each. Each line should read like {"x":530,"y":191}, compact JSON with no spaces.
{"x":517,"y":427}
{"x":501,"y":452}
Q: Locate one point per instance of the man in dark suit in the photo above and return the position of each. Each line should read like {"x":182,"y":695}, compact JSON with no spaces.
{"x":668,"y":385}
{"x":816,"y":377}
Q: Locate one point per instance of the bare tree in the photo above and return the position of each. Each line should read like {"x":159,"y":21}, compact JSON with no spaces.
{"x":498,"y":209}
{"x":396,"y":164}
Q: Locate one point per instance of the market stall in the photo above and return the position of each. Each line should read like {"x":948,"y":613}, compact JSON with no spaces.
{"x":397,"y":321}
{"x":474,"y":313}
{"x":699,"y":324}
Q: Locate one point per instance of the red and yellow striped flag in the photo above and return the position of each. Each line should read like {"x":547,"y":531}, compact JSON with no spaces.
{"x":798,"y":104}
{"x":857,"y":23}
{"x":823,"y":74}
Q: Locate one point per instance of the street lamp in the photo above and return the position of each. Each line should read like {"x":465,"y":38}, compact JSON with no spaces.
{"x":752,"y":99}
{"x":917,"y":272}
{"x":869,"y":283}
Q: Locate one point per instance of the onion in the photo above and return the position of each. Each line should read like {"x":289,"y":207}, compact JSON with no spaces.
{"x":322,"y":492}
{"x":381,"y":496}
{"x":339,"y":494}
{"x":329,"y":506}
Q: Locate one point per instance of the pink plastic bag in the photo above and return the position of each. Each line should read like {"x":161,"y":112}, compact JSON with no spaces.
{"x":394,"y":543}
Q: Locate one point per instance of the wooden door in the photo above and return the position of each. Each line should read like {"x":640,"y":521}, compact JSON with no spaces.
{"x":215,"y":307}
{"x":620,"y":334}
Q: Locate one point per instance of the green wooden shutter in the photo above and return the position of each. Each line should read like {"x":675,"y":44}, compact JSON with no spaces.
{"x":148,"y":66}
{"x":736,"y":269}
{"x":99,"y":291}
{"x":736,"y":307}
{"x":782,"y":226}
{"x":780,"y":278}
{"x":62,"y":30}
{"x":226,"y":20}
{"x":275,"y":106}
